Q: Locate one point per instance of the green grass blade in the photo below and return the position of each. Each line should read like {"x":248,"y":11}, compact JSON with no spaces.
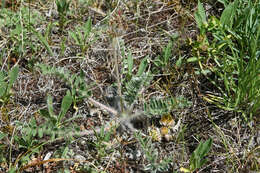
{"x":228,"y":14}
{"x":43,"y":40}
{"x":142,"y":67}
{"x":65,"y":105}
{"x":12,"y":77}
{"x":87,"y":27}
{"x":200,"y":16}
{"x":130,"y":63}
{"x":50,"y":106}
{"x":167,"y":53}
{"x":206,"y":147}
{"x":3,"y":84}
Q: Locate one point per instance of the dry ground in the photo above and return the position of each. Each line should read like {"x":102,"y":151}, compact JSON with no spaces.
{"x":145,"y":27}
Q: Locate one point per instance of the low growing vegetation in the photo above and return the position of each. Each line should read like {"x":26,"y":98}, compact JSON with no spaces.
{"x":129,"y":86}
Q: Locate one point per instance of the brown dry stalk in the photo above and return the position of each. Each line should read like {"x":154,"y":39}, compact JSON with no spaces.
{"x":42,"y":162}
{"x":115,"y":46}
{"x":107,"y":108}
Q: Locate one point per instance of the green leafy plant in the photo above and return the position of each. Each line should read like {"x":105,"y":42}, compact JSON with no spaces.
{"x":102,"y":143}
{"x":29,"y":131}
{"x":165,"y":105}
{"x":63,"y":8}
{"x":197,"y":157}
{"x":55,"y":127}
{"x":43,"y":40}
{"x":201,"y":44}
{"x":200,"y":17}
{"x":78,"y":88}
{"x":133,"y":83}
{"x":27,"y":142}
{"x":18,"y":27}
{"x":164,"y":60}
{"x":81,"y":36}
{"x":57,"y":120}
{"x":155,"y":164}
{"x":6,"y":83}
{"x":234,"y":50}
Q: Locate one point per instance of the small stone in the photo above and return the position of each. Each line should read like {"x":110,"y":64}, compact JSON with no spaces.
{"x":80,"y":158}
{"x":83,"y":142}
{"x":258,"y":138}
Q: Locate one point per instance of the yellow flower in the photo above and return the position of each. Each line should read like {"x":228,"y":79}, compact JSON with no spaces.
{"x":155,"y":134}
{"x":164,"y":131}
{"x":167,"y":120}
